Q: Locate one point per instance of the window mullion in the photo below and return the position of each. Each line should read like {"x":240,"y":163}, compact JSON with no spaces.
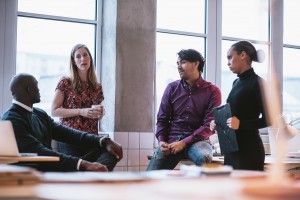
{"x":58,"y":18}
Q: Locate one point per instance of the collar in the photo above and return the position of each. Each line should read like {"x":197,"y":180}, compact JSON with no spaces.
{"x":247,"y":73}
{"x":198,"y":83}
{"x":22,"y":105}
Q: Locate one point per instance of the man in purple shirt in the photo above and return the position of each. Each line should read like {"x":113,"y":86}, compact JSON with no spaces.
{"x":184,"y":116}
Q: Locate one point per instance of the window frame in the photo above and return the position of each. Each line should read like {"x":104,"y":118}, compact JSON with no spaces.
{"x":97,"y":23}
{"x":213,"y":37}
{"x":8,"y":24}
{"x":9,"y":17}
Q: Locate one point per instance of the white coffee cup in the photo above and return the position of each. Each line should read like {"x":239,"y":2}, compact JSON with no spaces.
{"x":98,"y":107}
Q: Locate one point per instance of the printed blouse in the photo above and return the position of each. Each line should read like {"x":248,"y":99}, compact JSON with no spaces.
{"x":84,"y":98}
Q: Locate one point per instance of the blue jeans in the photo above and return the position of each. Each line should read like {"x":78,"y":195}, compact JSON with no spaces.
{"x":100,"y":155}
{"x":199,"y":152}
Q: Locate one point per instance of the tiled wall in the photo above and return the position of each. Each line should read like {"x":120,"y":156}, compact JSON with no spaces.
{"x":136,"y":147}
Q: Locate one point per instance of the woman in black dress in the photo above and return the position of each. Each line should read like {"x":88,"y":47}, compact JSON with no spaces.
{"x":246,"y":102}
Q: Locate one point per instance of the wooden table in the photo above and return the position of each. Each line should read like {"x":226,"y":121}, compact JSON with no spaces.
{"x":12,"y":159}
{"x":289,"y":163}
{"x":235,"y":187}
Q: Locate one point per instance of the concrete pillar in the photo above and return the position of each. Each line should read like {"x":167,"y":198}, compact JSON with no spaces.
{"x":8,"y":31}
{"x":128,"y":65}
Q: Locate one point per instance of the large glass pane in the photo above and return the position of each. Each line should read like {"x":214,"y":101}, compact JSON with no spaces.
{"x":291,"y":82}
{"x":246,"y":19}
{"x":43,"y":49}
{"x":187,"y":15}
{"x":227,"y":77}
{"x":167,"y":47}
{"x":85,"y":9}
{"x":291,"y":24}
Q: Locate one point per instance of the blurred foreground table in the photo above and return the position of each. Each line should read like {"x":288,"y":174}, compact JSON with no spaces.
{"x":289,"y":163}
{"x":237,"y":186}
{"x":12,"y":159}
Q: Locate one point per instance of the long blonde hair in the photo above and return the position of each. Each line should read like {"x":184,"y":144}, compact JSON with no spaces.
{"x":74,"y":75}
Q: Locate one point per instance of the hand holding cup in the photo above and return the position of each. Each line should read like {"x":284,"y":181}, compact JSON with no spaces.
{"x":98,"y":111}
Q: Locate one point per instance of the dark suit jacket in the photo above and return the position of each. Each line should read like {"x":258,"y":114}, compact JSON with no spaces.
{"x":35,"y":130}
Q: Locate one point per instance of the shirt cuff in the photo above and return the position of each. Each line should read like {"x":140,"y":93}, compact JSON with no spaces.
{"x":78,"y":164}
{"x":161,"y":139}
{"x":101,"y":140}
{"x":188,"y":139}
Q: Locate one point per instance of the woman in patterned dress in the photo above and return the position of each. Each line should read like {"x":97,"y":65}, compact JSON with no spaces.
{"x":75,"y":95}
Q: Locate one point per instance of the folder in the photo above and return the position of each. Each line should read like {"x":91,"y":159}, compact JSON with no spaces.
{"x":226,"y":135}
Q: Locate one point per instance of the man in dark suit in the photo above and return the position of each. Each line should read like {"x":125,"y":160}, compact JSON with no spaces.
{"x":34,"y":130}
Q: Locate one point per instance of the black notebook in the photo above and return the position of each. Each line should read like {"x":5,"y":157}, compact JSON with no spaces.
{"x":226,"y":135}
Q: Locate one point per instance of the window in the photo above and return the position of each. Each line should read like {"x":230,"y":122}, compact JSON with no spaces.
{"x":188,"y":16}
{"x":241,"y":20}
{"x":67,"y":8}
{"x":246,"y":19}
{"x":291,"y":82}
{"x":183,"y":25}
{"x":45,"y":37}
{"x":291,"y":55}
{"x":290,"y":22}
{"x":180,"y":25}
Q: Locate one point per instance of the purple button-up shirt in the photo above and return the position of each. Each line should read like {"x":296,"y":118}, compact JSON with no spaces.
{"x":185,"y":112}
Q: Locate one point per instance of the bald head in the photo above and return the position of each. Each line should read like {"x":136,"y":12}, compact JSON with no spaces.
{"x":24,"y":89}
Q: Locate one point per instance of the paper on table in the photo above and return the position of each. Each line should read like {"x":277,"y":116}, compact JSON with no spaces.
{"x":92,"y":177}
{"x":165,"y":174}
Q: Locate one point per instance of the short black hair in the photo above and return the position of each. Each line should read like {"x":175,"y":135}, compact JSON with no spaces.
{"x":192,"y":55}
